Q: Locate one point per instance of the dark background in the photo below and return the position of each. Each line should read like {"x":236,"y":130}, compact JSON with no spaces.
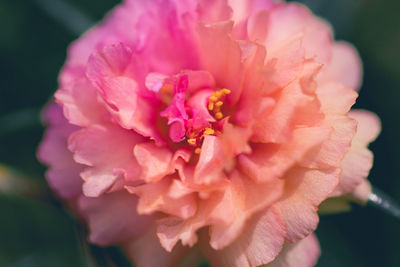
{"x":34,"y":228}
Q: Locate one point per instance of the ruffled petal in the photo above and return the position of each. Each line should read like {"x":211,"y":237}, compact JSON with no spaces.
{"x":112,"y":218}
{"x":358,"y":161}
{"x":258,"y":244}
{"x":303,"y":253}
{"x":345,"y":66}
{"x":146,"y":251}
{"x":63,"y":173}
{"x":107,"y":151}
{"x":305,"y":190}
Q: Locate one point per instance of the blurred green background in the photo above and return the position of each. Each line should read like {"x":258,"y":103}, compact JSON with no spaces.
{"x":34,"y":228}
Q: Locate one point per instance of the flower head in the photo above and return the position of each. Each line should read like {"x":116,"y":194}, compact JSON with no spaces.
{"x":209,"y":123}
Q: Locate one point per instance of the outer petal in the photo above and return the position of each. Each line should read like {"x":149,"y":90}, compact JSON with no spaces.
{"x":303,"y":253}
{"x":155,"y":161}
{"x":146,"y":251}
{"x":345,"y":66}
{"x":80,"y":102}
{"x":112,"y":218}
{"x":288,"y":20}
{"x":107,"y":150}
{"x":119,"y":75}
{"x":305,"y":190}
{"x":154,"y":198}
{"x":258,"y":244}
{"x":358,"y":161}
{"x":63,"y":174}
{"x":271,"y":161}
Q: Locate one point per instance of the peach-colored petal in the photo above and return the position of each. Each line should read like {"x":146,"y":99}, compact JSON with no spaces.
{"x":305,"y":189}
{"x":211,"y":11}
{"x":303,"y":253}
{"x":293,"y":107}
{"x":271,"y":161}
{"x":361,"y":193}
{"x":289,"y":20}
{"x":329,"y":90}
{"x":331,"y":152}
{"x":345,"y":66}
{"x":358,"y":161}
{"x":244,"y":198}
{"x":368,"y":127}
{"x":112,"y":218}
{"x":220,"y":54}
{"x":107,"y":151}
{"x":258,"y":244}
{"x":153,"y":198}
{"x":146,"y":251}
{"x":154,"y":161}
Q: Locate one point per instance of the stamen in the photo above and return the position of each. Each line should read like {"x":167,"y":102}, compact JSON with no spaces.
{"x":192,"y":141}
{"x":197,"y":150}
{"x":218,"y":115}
{"x":209,"y":131}
{"x":219,"y":103}
{"x":213,"y":98}
{"x":211,"y":106}
{"x":226,"y":91}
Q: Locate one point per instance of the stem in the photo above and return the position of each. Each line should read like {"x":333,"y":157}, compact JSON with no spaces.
{"x":382,"y":201}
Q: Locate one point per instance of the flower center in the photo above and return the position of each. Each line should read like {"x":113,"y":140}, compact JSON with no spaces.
{"x":192,"y":113}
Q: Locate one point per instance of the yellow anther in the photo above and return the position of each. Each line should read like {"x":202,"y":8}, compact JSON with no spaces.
{"x":218,"y":93}
{"x":209,"y":131}
{"x":226,"y":91}
{"x":192,"y":141}
{"x":211,"y":106}
{"x":219,"y":103}
{"x":218,"y":115}
{"x":213,"y":98}
{"x":197,"y":150}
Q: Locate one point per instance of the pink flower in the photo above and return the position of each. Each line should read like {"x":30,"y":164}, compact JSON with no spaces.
{"x":214,"y":125}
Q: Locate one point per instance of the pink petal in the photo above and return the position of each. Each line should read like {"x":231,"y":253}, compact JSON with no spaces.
{"x":368,"y":127}
{"x":146,"y":251}
{"x":155,"y":161}
{"x":331,"y":152}
{"x":63,"y":174}
{"x":154,"y":197}
{"x":358,"y":161}
{"x":293,"y":107}
{"x":327,"y":91}
{"x":112,"y":218}
{"x":258,"y":244}
{"x":244,"y":198}
{"x":220,"y":54}
{"x":271,"y":161}
{"x":303,"y":253}
{"x":80,"y":103}
{"x":107,"y":150}
{"x":305,"y":190}
{"x":212,"y":11}
{"x":292,"y":19}
{"x":345,"y":66}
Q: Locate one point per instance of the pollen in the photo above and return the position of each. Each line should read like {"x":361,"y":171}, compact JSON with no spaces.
{"x":216,"y":101}
{"x":197,"y":150}
{"x":226,"y":91}
{"x":192,"y":141}
{"x":209,"y":131}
